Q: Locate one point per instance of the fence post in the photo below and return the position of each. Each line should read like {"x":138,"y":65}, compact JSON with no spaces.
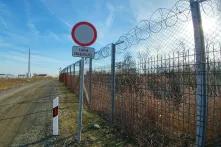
{"x":201,"y":91}
{"x":113,"y":52}
{"x":65,"y":83}
{"x":74,"y":78}
{"x":70,"y":78}
{"x":90,"y":82}
{"x":66,"y":76}
{"x":74,"y":69}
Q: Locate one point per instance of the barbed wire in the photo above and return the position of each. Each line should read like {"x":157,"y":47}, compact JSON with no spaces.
{"x":161,"y":19}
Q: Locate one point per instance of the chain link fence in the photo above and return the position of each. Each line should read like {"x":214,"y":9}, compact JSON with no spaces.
{"x":150,"y":88}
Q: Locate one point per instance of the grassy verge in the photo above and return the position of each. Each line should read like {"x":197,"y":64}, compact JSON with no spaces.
{"x":104,"y":135}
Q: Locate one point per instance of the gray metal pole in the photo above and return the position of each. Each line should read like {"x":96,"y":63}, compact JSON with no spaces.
{"x":70,"y":78}
{"x":80,"y":100}
{"x":66,"y":76}
{"x":113,"y":47}
{"x":74,"y":69}
{"x":90,"y":80}
{"x":201,"y":91}
{"x":29,"y":63}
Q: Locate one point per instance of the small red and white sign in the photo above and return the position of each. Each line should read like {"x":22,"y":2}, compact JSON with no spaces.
{"x":84,"y":33}
{"x":55,"y":116}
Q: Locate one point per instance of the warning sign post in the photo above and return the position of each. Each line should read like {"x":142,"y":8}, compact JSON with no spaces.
{"x":84,"y":34}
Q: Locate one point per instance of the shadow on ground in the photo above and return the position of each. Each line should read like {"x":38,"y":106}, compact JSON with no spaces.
{"x":53,"y":141}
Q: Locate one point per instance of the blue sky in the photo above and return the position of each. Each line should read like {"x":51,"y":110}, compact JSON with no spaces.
{"x":45,"y":25}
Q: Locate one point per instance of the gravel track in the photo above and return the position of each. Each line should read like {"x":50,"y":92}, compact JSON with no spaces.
{"x":25,"y":118}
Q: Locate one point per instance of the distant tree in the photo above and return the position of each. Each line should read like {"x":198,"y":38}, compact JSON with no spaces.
{"x":126,"y":73}
{"x":128,"y":65}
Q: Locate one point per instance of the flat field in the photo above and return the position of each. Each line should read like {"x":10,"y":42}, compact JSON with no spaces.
{"x":6,"y":84}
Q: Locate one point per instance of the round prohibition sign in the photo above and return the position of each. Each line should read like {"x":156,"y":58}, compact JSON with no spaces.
{"x":84,"y":33}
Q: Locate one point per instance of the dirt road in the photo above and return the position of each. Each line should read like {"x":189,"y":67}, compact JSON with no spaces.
{"x":26,"y":119}
{"x":26,"y":114}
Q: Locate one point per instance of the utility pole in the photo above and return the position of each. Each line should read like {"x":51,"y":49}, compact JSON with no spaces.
{"x":29,"y":64}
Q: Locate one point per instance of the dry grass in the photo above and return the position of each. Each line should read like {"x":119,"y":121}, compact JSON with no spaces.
{"x":15,"y":82}
{"x":10,"y":83}
{"x":151,"y":119}
{"x":105,"y":136}
{"x":158,"y":109}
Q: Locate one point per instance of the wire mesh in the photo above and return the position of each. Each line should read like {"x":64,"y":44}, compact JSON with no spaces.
{"x":155,"y":98}
{"x":101,"y":91}
{"x":212,"y":22}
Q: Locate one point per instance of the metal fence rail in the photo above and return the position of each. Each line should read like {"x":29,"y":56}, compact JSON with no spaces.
{"x":154,"y":87}
{"x":156,"y":99}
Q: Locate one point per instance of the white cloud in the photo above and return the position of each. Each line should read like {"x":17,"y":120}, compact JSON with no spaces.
{"x":22,"y":56}
{"x":33,"y":28}
{"x":3,"y":11}
{"x":142,"y":9}
{"x":3,"y":23}
{"x":105,"y":28}
{"x":61,"y":13}
{"x":111,"y":15}
{"x":15,"y":61}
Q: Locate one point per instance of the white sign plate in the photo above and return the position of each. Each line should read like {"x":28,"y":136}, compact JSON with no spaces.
{"x":80,"y":51}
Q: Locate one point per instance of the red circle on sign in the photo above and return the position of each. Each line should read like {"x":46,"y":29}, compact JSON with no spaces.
{"x":89,"y":25}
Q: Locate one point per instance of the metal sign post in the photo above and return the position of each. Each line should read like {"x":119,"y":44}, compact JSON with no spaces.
{"x":81,"y":100}
{"x":84,"y":34}
{"x":90,"y":82}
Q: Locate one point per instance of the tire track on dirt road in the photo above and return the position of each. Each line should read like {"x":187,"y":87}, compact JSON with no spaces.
{"x":26,"y":116}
